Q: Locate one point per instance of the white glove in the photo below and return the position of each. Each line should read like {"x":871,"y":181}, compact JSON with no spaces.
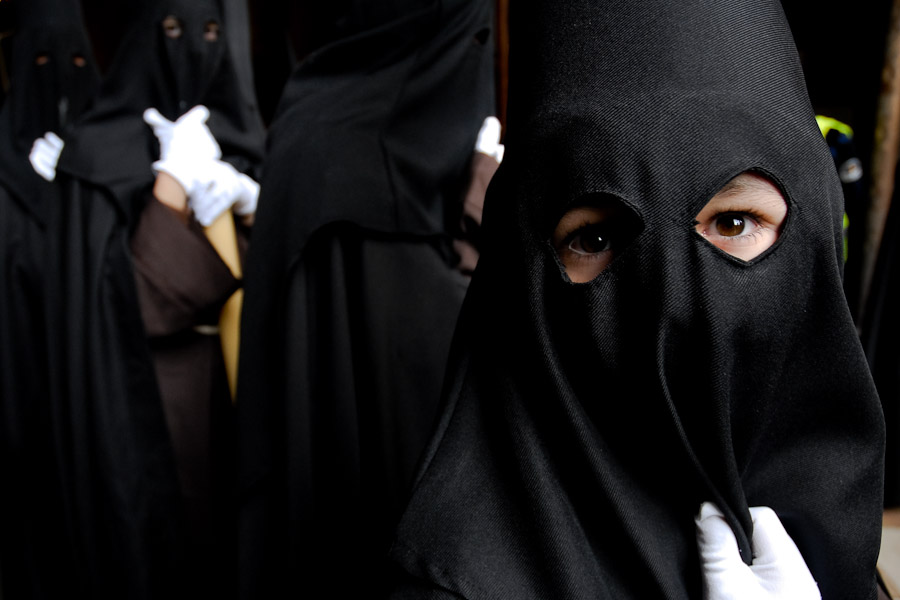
{"x":778,"y":571}
{"x":218,"y":187}
{"x":221,"y":187}
{"x":45,"y":154}
{"x":188,"y":136}
{"x":488,"y":141}
{"x":247,"y":200}
{"x":186,"y":147}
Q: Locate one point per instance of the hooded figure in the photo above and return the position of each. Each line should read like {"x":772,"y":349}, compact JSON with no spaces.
{"x":351,"y":295}
{"x":52,"y":79}
{"x":138,"y":441}
{"x":585,"y":423}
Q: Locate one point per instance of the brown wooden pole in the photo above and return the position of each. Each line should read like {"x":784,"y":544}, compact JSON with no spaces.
{"x":884,"y":156}
{"x":223,"y":237}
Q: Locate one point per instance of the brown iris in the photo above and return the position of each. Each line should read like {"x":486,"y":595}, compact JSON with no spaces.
{"x":730,"y":225}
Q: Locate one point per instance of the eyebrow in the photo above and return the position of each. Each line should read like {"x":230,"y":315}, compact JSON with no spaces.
{"x":738,"y":184}
{"x":741,"y":183}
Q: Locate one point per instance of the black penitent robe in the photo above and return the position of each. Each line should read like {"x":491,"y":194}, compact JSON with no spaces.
{"x":128,"y":510}
{"x":585,"y":423}
{"x":52,"y":78}
{"x":351,"y":295}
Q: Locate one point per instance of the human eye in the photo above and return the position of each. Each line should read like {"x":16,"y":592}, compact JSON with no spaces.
{"x":589,"y":240}
{"x":745,"y":218}
{"x":172,"y":27}
{"x":588,"y":237}
{"x":735,"y":227}
{"x":211,"y":31}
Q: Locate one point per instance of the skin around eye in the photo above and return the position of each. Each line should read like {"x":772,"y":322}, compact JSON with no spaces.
{"x":211,"y":31}
{"x":744,"y":218}
{"x":172,"y":27}
{"x":78,"y":60}
{"x":41,"y":59}
{"x":587,"y":238}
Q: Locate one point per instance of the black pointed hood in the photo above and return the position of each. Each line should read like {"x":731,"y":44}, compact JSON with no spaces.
{"x":53,"y":78}
{"x":587,"y":422}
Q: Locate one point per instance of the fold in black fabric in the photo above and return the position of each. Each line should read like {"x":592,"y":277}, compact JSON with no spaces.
{"x":351,"y":296}
{"x":585,"y":423}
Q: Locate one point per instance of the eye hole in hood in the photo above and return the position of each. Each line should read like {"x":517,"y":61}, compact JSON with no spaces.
{"x":745,"y":217}
{"x":591,"y":234}
{"x":172,"y":27}
{"x":211,"y":32}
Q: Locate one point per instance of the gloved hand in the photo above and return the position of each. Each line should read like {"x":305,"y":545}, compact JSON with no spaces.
{"x":488,"y":141}
{"x":778,"y":571}
{"x":186,"y":147}
{"x":247,"y":200}
{"x":222,"y":187}
{"x":45,"y":154}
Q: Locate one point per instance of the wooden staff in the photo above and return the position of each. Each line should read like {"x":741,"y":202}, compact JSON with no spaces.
{"x":884,"y":156}
{"x":223,"y":237}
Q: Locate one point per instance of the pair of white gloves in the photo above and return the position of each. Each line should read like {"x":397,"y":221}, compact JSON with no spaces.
{"x":190,"y":154}
{"x":778,"y":571}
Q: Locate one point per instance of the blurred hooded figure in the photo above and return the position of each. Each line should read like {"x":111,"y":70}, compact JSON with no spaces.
{"x":621,"y":358}
{"x":53,"y":77}
{"x":351,"y":288}
{"x":147,"y":425}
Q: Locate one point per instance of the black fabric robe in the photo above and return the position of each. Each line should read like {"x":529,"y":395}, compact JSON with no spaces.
{"x":351,"y":295}
{"x":585,"y":423}
{"x":48,"y":89}
{"x":129,"y":511}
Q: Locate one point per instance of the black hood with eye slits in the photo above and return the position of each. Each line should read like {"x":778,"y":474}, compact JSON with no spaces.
{"x":585,"y":423}
{"x":113,"y":147}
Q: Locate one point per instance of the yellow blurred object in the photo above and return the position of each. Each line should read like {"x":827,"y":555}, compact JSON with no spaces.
{"x":223,"y":237}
